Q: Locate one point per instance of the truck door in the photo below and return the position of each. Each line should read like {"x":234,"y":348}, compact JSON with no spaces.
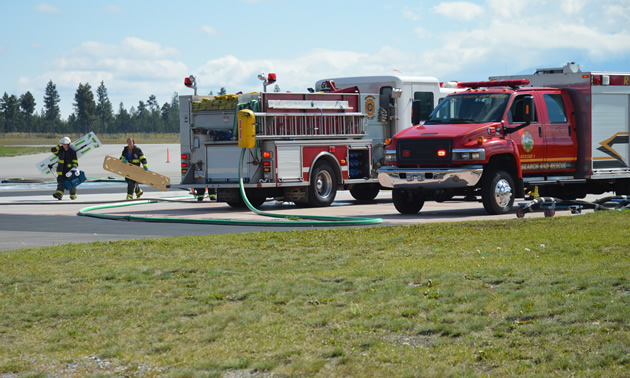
{"x":559,"y":134}
{"x":530,"y":141}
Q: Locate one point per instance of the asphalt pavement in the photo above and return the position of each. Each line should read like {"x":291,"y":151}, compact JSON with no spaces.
{"x":31,"y":217}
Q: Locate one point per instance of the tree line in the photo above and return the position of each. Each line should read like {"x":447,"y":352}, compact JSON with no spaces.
{"x":17,"y":114}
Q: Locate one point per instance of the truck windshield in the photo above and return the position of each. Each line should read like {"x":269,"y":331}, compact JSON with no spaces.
{"x":470,"y":108}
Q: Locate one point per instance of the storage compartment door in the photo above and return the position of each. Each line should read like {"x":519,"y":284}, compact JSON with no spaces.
{"x":610,"y":131}
{"x":289,"y":163}
{"x":222,"y":163}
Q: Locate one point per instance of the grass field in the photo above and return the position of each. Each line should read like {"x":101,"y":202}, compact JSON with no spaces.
{"x":533,"y":297}
{"x":39,"y":139}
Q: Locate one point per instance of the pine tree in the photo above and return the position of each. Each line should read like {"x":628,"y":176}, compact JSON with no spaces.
{"x":51,"y":105}
{"x":10,"y":111}
{"x":104,"y":110}
{"x":85,"y":107}
{"x":27,"y":107}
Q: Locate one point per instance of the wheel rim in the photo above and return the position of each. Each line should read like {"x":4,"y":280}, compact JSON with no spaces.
{"x":323,"y":184}
{"x":503,"y":193}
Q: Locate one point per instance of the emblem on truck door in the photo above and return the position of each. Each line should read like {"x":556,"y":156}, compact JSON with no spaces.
{"x":527,"y":141}
{"x":370,"y":107}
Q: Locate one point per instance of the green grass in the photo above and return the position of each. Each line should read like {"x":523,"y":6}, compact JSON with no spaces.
{"x":24,"y":139}
{"x":9,"y":151}
{"x":533,"y":297}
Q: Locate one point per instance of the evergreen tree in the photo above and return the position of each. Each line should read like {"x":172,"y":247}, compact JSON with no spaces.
{"x":85,"y":107}
{"x":104,"y":110}
{"x":3,"y":122}
{"x":27,"y":107}
{"x":123,"y":120}
{"x":155,"y":120}
{"x":141,"y":118}
{"x":51,"y":105}
{"x":10,"y":111}
{"x":222,"y":91}
{"x":276,"y":88}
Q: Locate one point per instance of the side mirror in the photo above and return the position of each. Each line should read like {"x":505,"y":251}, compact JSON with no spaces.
{"x":525,"y":110}
{"x":528,"y":109}
{"x":415,"y":112}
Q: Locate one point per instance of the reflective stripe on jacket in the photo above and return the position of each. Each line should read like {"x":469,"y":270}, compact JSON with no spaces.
{"x":66,"y":160}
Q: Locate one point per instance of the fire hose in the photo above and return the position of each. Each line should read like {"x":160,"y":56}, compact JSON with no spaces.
{"x":550,"y":204}
{"x":293,"y":220}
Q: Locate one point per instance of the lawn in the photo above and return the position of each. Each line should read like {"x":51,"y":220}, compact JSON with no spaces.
{"x":534,"y":297}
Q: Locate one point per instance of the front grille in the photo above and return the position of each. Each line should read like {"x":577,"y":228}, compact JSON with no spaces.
{"x":423,"y":151}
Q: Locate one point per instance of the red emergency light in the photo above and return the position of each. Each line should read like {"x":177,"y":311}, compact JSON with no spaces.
{"x":190,"y":82}
{"x":493,"y":83}
{"x":441,"y":153}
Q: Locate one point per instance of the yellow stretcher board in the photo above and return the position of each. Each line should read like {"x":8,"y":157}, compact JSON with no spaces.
{"x":136,"y":173}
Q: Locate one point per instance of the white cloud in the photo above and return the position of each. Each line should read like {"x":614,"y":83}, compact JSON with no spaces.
{"x":46,"y":8}
{"x":209,"y":30}
{"x":573,"y":6}
{"x":509,"y":8}
{"x":410,"y":14}
{"x":112,"y":8}
{"x":459,"y":10}
{"x":422,"y":33}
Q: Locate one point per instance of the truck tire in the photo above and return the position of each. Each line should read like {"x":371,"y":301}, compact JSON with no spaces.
{"x":323,"y":187}
{"x":407,"y":201}
{"x":364,"y":192}
{"x":497,"y":192}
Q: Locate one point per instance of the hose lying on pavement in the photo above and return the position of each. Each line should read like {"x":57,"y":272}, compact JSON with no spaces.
{"x":292,"y":219}
{"x":550,"y":204}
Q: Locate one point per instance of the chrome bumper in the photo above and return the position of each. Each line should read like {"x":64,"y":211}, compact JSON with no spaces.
{"x":393,"y":177}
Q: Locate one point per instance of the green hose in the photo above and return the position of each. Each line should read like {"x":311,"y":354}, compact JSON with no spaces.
{"x":315,"y":219}
{"x":320,"y":219}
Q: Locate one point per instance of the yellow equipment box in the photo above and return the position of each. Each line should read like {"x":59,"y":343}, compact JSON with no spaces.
{"x":136,"y":173}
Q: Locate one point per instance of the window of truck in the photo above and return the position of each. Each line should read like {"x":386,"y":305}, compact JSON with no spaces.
{"x":555,"y":108}
{"x":426,"y":103}
{"x":515,"y":114}
{"x":385,"y":100}
{"x":470,"y":108}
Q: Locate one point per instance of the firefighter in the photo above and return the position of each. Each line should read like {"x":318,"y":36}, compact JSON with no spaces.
{"x":133,"y":154}
{"x":67,"y":165}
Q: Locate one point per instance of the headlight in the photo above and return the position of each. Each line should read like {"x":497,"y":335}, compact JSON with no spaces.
{"x":469,"y":155}
{"x":390,"y":157}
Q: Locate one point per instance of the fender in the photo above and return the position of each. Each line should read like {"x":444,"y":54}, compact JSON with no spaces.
{"x":329,"y":158}
{"x":504,"y":146}
{"x":517,"y":158}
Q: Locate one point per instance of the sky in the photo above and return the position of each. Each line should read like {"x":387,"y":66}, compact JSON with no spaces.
{"x":141,"y":48}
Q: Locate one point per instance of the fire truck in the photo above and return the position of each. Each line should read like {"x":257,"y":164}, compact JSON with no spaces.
{"x":561,"y":131}
{"x":307,"y":145}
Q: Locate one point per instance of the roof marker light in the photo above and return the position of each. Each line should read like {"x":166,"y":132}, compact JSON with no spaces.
{"x":494,"y":83}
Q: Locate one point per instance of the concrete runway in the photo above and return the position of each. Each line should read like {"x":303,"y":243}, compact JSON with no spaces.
{"x":31,"y":217}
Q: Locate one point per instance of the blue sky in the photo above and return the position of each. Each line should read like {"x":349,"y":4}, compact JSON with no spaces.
{"x":142,"y":48}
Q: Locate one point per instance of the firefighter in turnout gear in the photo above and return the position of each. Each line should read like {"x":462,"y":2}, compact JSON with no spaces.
{"x":133,"y":154}
{"x":67,"y":165}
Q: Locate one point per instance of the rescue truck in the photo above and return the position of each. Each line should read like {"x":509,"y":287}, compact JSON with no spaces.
{"x":307,"y":145}
{"x":561,"y":131}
